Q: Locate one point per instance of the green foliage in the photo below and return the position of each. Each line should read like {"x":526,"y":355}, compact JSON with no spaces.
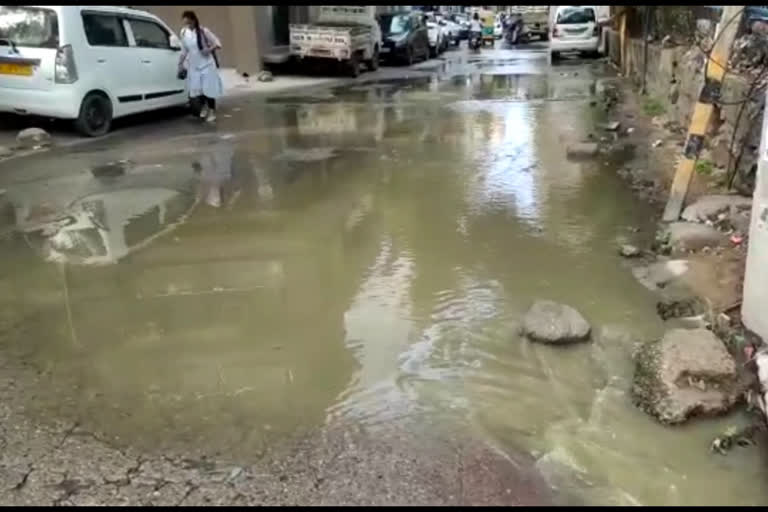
{"x":705,"y":167}
{"x":653,"y":107}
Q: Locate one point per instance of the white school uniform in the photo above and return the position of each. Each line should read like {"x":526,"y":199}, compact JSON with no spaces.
{"x":202,"y":75}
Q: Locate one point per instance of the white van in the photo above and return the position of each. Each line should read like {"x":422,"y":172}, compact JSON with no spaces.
{"x":575,"y":29}
{"x":87,"y":63}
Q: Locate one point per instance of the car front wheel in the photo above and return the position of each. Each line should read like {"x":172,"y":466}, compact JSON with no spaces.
{"x":95,"y":117}
{"x":373,"y":64}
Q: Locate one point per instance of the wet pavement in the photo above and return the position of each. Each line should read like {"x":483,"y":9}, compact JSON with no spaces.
{"x":317,"y":301}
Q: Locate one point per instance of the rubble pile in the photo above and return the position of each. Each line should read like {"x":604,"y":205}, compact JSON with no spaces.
{"x":750,"y":53}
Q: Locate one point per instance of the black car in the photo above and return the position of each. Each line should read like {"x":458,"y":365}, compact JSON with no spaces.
{"x":405,"y":37}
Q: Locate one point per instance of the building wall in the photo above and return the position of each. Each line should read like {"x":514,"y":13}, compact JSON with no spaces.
{"x":210,"y":16}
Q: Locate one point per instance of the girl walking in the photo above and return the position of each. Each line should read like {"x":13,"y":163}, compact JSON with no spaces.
{"x":198,"y":48}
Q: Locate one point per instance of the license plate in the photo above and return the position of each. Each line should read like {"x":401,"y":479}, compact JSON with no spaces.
{"x":16,"y":69}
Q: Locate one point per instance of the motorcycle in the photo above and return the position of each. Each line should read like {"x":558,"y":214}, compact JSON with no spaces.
{"x":475,"y":41}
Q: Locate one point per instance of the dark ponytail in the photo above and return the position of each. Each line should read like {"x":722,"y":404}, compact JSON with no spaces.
{"x":190,"y":15}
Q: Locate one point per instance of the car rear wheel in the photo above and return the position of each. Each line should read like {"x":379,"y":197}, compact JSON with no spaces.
{"x":95,"y":117}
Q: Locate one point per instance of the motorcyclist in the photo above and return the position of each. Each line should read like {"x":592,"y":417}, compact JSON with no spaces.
{"x":475,"y":29}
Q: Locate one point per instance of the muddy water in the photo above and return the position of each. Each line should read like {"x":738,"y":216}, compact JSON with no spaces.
{"x":357,"y":255}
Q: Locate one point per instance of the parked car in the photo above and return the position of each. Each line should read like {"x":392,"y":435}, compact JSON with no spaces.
{"x":575,"y":29}
{"x":405,"y":37}
{"x":437,"y":42}
{"x":463,"y":23}
{"x":452,"y":31}
{"x":86,"y":63}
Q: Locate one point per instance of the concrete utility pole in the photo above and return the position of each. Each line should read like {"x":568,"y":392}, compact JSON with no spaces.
{"x":755,"y":303}
{"x":715,"y":68}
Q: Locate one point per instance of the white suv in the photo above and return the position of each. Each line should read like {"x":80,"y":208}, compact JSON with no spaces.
{"x":89,"y":64}
{"x":575,"y":29}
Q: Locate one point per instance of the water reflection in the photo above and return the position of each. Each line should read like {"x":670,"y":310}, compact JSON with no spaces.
{"x":214,"y":169}
{"x":97,"y":219}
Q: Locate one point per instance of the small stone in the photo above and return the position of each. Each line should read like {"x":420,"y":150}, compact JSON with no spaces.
{"x":722,"y":322}
{"x":630,"y":130}
{"x":658,"y":143}
{"x":612,"y":126}
{"x":265,"y":76}
{"x":236,"y":472}
{"x":582,"y":150}
{"x":629,"y":251}
{"x":31,"y":137}
{"x":549,"y":322}
{"x":5,"y":152}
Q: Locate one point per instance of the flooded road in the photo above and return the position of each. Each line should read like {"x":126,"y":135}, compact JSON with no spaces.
{"x":359,"y":255}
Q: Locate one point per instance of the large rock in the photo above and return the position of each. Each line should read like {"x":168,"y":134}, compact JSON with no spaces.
{"x":550,"y":322}
{"x":690,"y":236}
{"x":709,"y":207}
{"x":32,"y":137}
{"x":688,"y":372}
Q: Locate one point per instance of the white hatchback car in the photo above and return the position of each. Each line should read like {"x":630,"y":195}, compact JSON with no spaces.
{"x":575,"y":29}
{"x":89,"y":64}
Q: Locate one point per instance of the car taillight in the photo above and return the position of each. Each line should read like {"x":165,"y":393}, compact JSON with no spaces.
{"x":66,"y":71}
{"x":554,"y":32}
{"x":595,"y":31}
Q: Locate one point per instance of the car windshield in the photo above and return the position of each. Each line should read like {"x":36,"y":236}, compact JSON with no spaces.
{"x":574,"y":15}
{"x":395,"y":24}
{"x":29,"y":26}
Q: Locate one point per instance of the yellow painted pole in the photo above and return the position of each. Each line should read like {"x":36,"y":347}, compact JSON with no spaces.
{"x":702,"y":113}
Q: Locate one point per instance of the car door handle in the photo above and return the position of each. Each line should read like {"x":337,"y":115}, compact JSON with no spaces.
{"x":146,"y":62}
{"x":101,"y":61}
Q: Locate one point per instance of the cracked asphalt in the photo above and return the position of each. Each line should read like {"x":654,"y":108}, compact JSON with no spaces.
{"x":65,"y":465}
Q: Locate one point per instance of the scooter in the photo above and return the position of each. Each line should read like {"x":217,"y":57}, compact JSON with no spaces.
{"x":475,"y":41}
